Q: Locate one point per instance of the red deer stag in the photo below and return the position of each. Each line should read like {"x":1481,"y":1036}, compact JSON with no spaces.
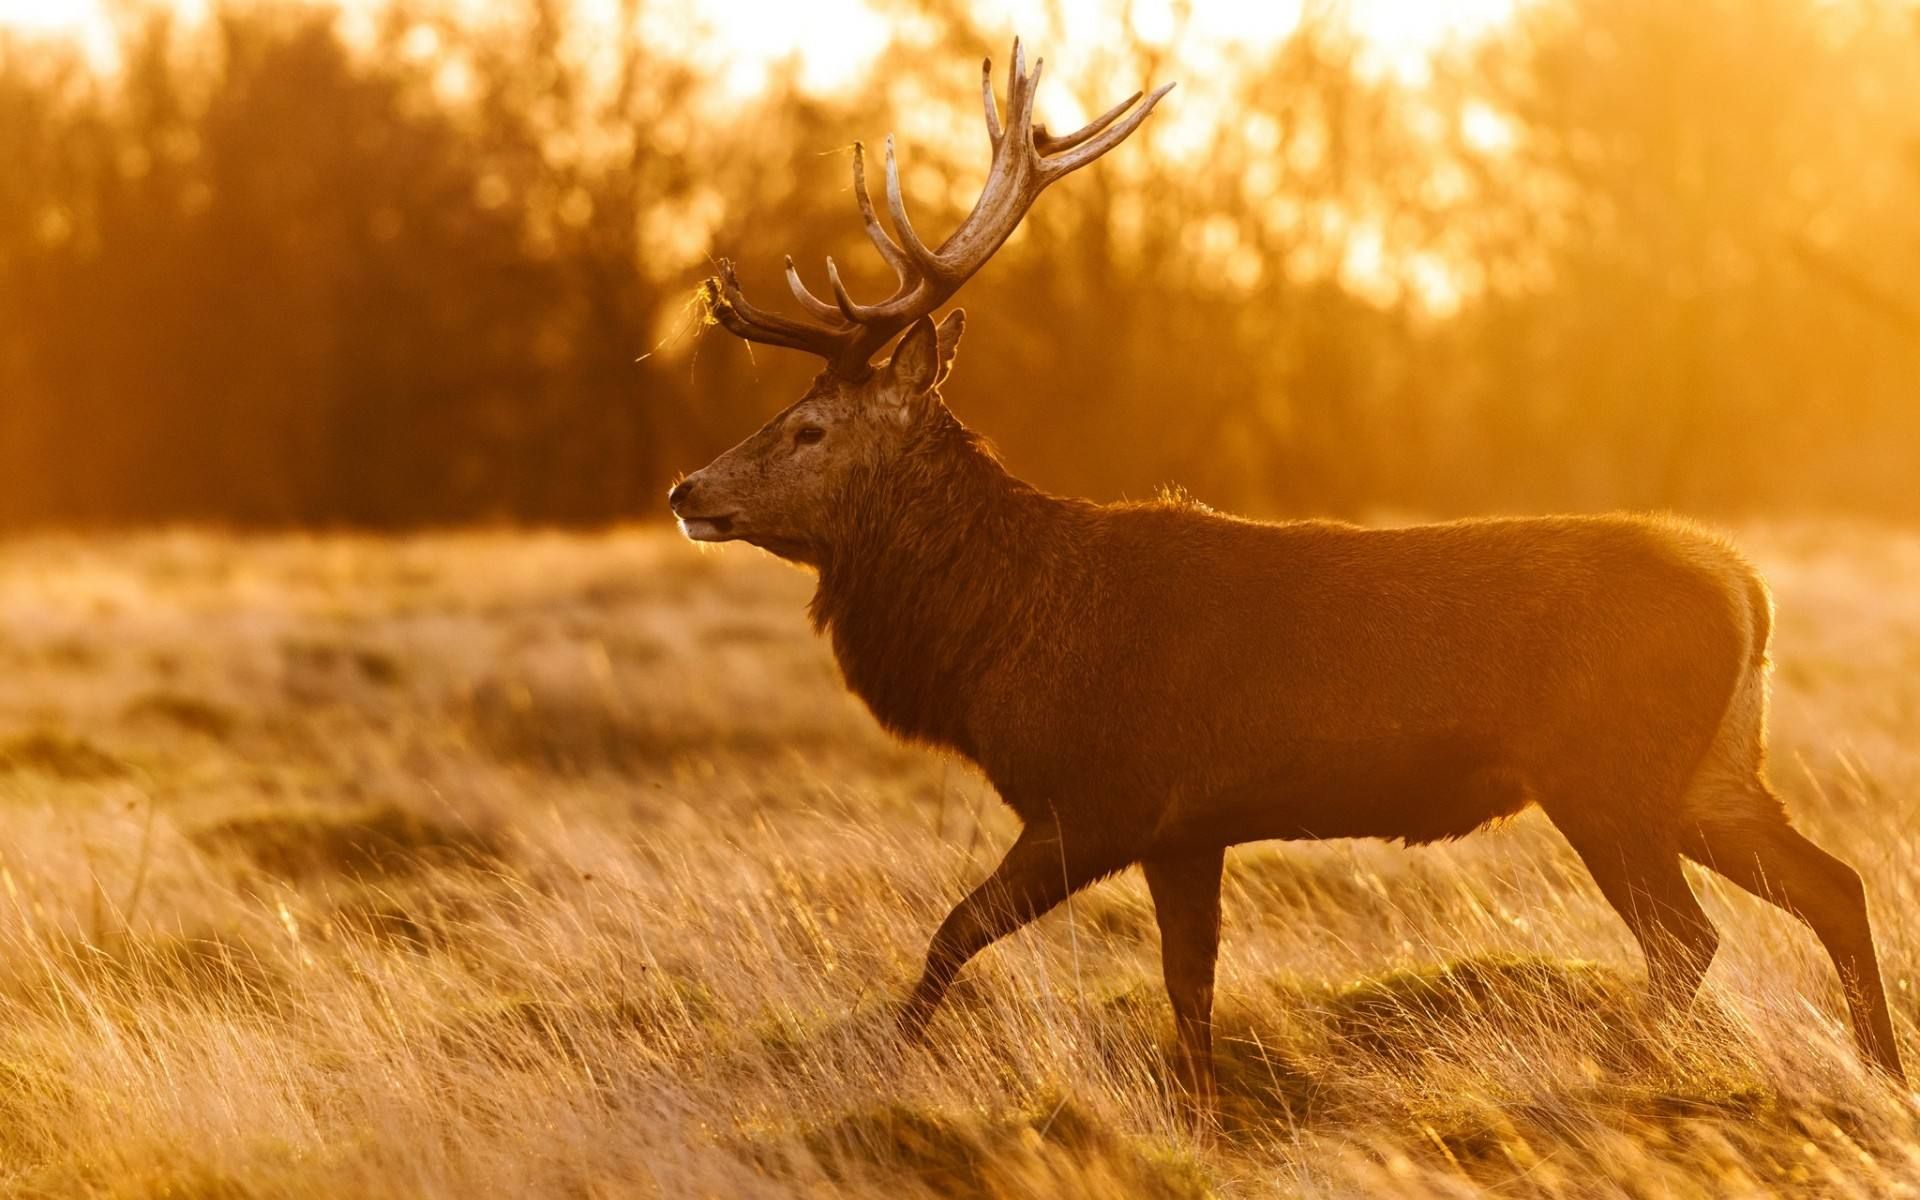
{"x":1154,"y":682}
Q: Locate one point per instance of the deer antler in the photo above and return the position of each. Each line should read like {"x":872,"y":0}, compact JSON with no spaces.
{"x":1026,"y":158}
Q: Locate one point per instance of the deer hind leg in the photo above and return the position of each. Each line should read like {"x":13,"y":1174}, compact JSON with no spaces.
{"x":1186,"y":901}
{"x":1041,"y":869}
{"x":1752,"y":844}
{"x":1643,"y":880}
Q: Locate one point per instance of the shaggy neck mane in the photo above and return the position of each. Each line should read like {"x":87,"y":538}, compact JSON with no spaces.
{"x":933,"y":577}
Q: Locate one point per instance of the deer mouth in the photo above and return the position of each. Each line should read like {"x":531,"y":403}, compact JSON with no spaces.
{"x":707,"y":529}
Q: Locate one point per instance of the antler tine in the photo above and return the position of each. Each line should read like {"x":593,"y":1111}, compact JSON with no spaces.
{"x":897,"y":209}
{"x":859,"y":314}
{"x":1080,"y":156}
{"x":747,"y":313}
{"x":812,"y":303}
{"x":1047,"y":143}
{"x":743,"y":320}
{"x":876,"y":232}
{"x":992,"y":105}
{"x":1020,"y":99}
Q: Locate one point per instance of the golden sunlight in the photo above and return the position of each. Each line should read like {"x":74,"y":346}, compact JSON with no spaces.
{"x":530,"y":563}
{"x":831,"y":41}
{"x":46,"y":14}
{"x":84,"y":21}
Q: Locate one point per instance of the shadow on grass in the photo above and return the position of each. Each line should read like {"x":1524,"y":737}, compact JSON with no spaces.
{"x":214,"y":967}
{"x":366,"y":840}
{"x":59,"y":756}
{"x":528,"y":1031}
{"x":1472,"y":1067}
{"x":573,"y":732}
{"x":1452,"y":1009}
{"x":1055,"y":1149}
{"x":1294,"y":1058}
{"x":118,"y":975}
{"x":181,"y":711}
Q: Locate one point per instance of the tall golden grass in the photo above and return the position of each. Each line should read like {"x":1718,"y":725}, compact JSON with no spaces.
{"x":562,"y":865}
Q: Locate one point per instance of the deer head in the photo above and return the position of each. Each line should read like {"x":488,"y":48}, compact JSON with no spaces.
{"x":779,"y":488}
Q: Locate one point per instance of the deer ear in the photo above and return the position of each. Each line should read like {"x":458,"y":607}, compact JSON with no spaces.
{"x":949,"y":342}
{"x":915,"y":365}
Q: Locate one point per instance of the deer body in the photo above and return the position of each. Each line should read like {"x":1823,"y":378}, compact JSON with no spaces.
{"x":1152,"y":683}
{"x":1185,"y":677}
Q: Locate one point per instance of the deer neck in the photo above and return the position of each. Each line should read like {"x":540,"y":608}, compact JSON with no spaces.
{"x":936,"y":581}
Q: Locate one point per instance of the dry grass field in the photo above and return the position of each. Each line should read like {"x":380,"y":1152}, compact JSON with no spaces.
{"x":545,"y":865}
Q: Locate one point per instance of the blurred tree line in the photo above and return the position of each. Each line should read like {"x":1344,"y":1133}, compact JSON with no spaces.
{"x":1627,"y":253}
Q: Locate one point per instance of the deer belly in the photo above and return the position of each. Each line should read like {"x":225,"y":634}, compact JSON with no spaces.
{"x":1416,"y":789}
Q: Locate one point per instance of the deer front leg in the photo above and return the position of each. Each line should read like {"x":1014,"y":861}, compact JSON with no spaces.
{"x":1042,"y":868}
{"x":1186,"y":901}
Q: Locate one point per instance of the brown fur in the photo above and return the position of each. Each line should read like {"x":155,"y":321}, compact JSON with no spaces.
{"x":1153,"y":682}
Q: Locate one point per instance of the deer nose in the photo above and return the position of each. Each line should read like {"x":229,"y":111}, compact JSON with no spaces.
{"x":679,"y":494}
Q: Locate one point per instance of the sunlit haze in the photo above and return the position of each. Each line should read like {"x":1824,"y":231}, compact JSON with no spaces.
{"x":833,"y":39}
{"x":537,"y":535}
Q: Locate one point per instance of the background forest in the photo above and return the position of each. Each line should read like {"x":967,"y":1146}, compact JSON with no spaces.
{"x":271,"y":267}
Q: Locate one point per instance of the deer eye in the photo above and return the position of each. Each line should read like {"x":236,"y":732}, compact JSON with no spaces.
{"x":808,"y":435}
